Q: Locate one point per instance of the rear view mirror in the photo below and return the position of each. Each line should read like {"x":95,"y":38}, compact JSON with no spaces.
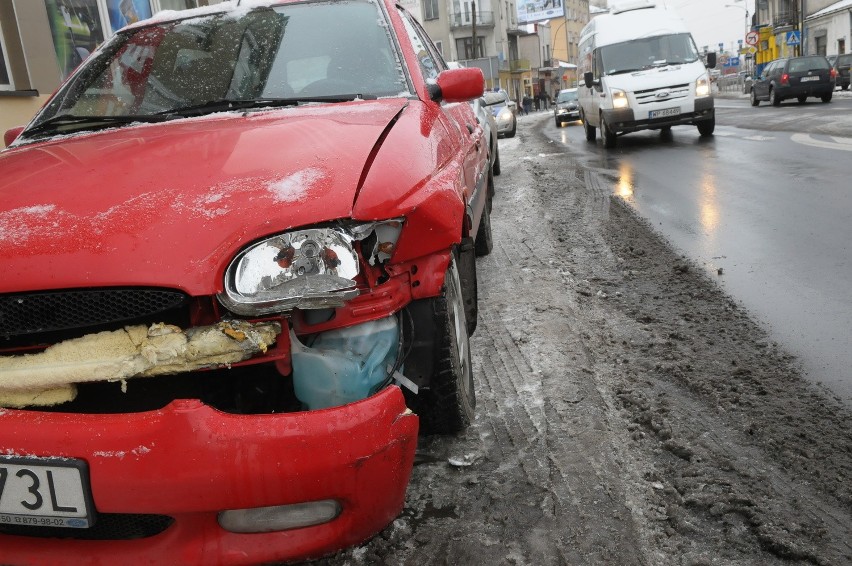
{"x":588,"y":79}
{"x":711,"y":60}
{"x":12,"y":134}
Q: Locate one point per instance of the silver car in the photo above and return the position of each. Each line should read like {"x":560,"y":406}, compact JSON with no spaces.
{"x":504,"y":111}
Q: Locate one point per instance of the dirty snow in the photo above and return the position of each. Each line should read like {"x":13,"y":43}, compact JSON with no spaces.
{"x":664,"y":428}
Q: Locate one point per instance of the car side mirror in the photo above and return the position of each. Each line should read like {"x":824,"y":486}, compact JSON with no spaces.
{"x":711,"y":60}
{"x":458,"y":85}
{"x":589,"y":79}
{"x":12,"y":134}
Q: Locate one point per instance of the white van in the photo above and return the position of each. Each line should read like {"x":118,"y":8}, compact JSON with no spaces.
{"x":642,"y":71}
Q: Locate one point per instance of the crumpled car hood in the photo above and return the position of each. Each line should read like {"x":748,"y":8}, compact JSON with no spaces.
{"x":165,"y":203}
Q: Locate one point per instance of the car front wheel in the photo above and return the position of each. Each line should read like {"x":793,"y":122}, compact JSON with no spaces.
{"x":591,"y":131}
{"x":495,"y":168}
{"x":754,"y":99}
{"x":447,"y":406}
{"x":607,"y":135}
{"x":706,"y":127}
{"x":511,"y":133}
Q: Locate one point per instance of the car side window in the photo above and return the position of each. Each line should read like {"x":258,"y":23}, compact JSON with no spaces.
{"x":429,"y":65}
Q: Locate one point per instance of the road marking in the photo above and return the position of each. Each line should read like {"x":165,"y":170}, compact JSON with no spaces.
{"x":843,"y":144}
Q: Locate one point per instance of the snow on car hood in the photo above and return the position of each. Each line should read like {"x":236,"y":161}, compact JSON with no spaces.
{"x":169,"y":204}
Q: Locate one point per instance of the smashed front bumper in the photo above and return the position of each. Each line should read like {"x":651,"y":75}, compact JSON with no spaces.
{"x":187,"y":463}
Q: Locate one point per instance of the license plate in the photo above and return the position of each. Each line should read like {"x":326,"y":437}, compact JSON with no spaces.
{"x":804,"y":79}
{"x":45,"y":492}
{"x":664,"y":112}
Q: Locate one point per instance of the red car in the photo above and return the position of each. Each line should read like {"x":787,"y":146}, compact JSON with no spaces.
{"x":238,"y":278}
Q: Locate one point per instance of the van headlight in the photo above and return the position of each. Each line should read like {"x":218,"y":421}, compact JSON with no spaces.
{"x":309,"y":269}
{"x":702,"y":88}
{"x":619,"y":98}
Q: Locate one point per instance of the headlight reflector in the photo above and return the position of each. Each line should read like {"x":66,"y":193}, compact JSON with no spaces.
{"x":310,"y":269}
{"x":702,"y":87}
{"x":619,"y":98}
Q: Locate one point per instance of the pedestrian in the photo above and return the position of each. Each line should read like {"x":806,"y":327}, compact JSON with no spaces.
{"x":527,"y":104}
{"x":537,"y":101}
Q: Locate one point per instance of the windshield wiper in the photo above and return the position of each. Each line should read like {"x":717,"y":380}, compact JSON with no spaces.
{"x":66,"y":123}
{"x":622,"y":71}
{"x":225,"y":104}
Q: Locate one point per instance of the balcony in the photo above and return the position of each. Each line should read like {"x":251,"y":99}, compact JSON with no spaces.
{"x":461,"y":20}
{"x":784,"y":20}
{"x":516,"y":65}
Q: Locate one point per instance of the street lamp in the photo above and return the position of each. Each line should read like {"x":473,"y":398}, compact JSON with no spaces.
{"x":745,"y":8}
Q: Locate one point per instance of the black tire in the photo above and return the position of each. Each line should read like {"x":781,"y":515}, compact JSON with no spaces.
{"x":706,"y":127}
{"x":754,"y":100}
{"x":802,"y":99}
{"x":607,"y":135}
{"x":591,"y":131}
{"x":826,"y":97}
{"x":447,"y":406}
{"x":495,"y":168}
{"x":665,"y":129}
{"x":773,"y":97}
{"x":484,"y":241}
{"x":511,"y":133}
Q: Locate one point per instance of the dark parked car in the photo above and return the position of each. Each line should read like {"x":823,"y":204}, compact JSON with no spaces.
{"x":841,"y":64}
{"x":796,"y":77}
{"x":567,"y":108}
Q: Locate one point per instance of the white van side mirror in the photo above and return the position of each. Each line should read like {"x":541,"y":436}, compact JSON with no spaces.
{"x":588,"y":79}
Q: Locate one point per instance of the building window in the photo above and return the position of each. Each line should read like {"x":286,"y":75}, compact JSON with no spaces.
{"x":465,"y":47}
{"x":430,"y":10}
{"x":5,"y":74}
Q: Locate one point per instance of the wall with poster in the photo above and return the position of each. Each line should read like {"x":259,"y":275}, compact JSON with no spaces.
{"x":79,"y":26}
{"x":77,"y":29}
{"x":124,"y":12}
{"x":530,"y":11}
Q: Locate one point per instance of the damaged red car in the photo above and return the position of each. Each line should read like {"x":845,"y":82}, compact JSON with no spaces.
{"x":238,"y":280}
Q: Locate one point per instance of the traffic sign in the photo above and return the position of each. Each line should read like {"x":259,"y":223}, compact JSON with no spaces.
{"x":794,"y":37}
{"x":752,"y":37}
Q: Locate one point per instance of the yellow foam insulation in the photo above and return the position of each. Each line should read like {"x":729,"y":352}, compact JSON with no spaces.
{"x":48,"y":377}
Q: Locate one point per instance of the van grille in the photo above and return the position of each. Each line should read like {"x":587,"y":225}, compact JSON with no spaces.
{"x":675,"y":92}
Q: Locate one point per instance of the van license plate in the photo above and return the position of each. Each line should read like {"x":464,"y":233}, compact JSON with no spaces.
{"x":663,"y":113}
{"x":41,"y":492}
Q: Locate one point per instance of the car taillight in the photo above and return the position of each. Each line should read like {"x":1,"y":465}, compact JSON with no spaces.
{"x":833,"y":73}
{"x":785,"y":79}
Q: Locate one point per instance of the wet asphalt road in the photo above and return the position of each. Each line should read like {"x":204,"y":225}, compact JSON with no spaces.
{"x":765,"y":206}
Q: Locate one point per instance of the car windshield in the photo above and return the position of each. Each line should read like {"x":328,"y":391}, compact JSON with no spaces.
{"x":567,"y":96}
{"x":805,"y":64}
{"x":298,"y":52}
{"x":844,"y":59}
{"x":647,"y":53}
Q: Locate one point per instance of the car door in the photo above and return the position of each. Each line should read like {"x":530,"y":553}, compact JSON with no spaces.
{"x":460,"y":117}
{"x":761,"y":84}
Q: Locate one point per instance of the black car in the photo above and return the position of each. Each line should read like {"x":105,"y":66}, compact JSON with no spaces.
{"x":841,"y":64}
{"x":567,"y":108}
{"x":796,"y":77}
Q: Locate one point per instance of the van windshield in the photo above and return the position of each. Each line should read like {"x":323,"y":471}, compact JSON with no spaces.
{"x":647,"y":53}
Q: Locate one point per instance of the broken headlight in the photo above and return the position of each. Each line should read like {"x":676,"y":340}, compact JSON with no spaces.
{"x":308,"y":269}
